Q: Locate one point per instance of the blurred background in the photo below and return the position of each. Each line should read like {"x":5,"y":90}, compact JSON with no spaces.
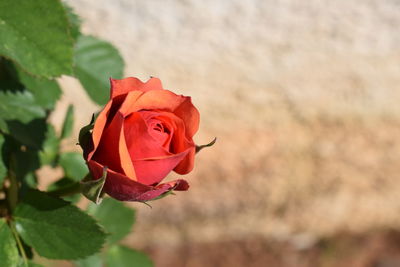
{"x":304,"y":99}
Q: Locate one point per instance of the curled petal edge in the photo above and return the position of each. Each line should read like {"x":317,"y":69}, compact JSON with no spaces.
{"x":124,"y":86}
{"x":122,"y":188}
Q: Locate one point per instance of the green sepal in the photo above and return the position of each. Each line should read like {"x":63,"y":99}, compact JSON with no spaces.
{"x":171,"y":192}
{"x":198,"y":148}
{"x":85,"y":134}
{"x":93,"y":189}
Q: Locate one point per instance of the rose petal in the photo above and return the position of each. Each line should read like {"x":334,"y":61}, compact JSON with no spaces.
{"x":99,"y":128}
{"x":124,"y":86}
{"x":113,"y":151}
{"x":179,"y":185}
{"x":187,"y":163}
{"x":190,"y":116}
{"x":153,"y":170}
{"x":122,"y":188}
{"x":131,"y":98}
{"x":157,"y":100}
{"x":180,"y":142}
{"x":139,"y":142}
{"x":162,"y":138}
{"x":168,"y":125}
{"x":104,"y":118}
{"x":164,"y":100}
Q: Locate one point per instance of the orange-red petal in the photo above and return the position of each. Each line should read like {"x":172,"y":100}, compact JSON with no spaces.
{"x":190,"y":116}
{"x":99,"y":128}
{"x":124,"y":86}
{"x":166,"y":101}
{"x":153,"y":170}
{"x":181,"y":142}
{"x":113,"y":151}
{"x":187,"y":163}
{"x":158,"y":100}
{"x":138,"y":139}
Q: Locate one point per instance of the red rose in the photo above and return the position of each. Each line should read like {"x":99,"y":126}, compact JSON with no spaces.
{"x":143,"y":133}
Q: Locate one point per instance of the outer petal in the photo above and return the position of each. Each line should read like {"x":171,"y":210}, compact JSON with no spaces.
{"x":124,"y":86}
{"x":187,"y":163}
{"x":158,"y":100}
{"x":122,"y":188}
{"x":113,"y":151}
{"x":153,"y":170}
{"x":105,"y":117}
{"x":99,"y":128}
{"x":190,"y":116}
{"x":179,"y":185}
{"x":127,"y":106}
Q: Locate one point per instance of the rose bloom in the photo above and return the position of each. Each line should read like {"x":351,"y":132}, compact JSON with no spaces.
{"x":142,"y":134}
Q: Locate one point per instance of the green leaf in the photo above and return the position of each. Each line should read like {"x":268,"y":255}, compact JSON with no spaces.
{"x":56,"y":229}
{"x":51,"y":146}
{"x":8,"y":247}
{"x":91,"y":261}
{"x":121,"y":256}
{"x":95,"y":62}
{"x":93,"y":189}
{"x":23,"y":161}
{"x":30,"y":264}
{"x":8,"y":76}
{"x":115,"y":217}
{"x":27,"y":249}
{"x":30,"y":180}
{"x":68,"y":124}
{"x":3,"y":168}
{"x":74,"y":21}
{"x":26,"y":162}
{"x":74,"y":165}
{"x":32,"y":134}
{"x":35,"y":34}
{"x":45,"y":92}
{"x":19,"y":106}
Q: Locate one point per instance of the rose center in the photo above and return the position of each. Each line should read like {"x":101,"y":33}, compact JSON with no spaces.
{"x":160,"y":133}
{"x":158,"y":127}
